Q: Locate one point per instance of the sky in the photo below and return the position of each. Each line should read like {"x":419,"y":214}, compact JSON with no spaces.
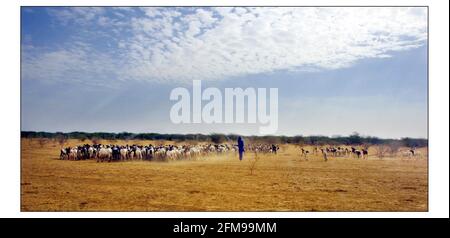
{"x":337,"y":70}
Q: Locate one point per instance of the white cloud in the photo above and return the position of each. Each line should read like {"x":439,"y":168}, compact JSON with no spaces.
{"x":152,"y":11}
{"x":77,"y":63}
{"x":79,"y":15}
{"x":181,"y":44}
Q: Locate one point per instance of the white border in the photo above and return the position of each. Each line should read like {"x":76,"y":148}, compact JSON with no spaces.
{"x":438,"y":109}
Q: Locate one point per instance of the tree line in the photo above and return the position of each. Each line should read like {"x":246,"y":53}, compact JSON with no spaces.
{"x":353,"y":139}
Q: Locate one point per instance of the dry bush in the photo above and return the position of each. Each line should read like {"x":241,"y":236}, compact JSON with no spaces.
{"x":42,"y":142}
{"x":30,"y":141}
{"x":365,"y":146}
{"x":253,"y":162}
{"x":301,"y":144}
{"x":95,"y":140}
{"x":381,"y":151}
{"x":61,"y":139}
{"x":394,"y":148}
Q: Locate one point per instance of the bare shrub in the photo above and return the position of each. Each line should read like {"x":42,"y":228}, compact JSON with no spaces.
{"x":61,"y":139}
{"x":30,"y":141}
{"x":381,"y":151}
{"x":301,"y":144}
{"x":42,"y":142}
{"x":253,"y":162}
{"x":365,"y":146}
{"x":394,"y":148}
{"x":95,"y":140}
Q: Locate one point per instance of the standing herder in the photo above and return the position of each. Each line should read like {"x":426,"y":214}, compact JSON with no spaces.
{"x":240,"y":147}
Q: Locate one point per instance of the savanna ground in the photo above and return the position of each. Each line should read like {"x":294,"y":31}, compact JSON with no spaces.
{"x":283,"y":182}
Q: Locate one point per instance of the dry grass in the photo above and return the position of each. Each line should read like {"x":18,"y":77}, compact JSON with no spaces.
{"x":285,"y":182}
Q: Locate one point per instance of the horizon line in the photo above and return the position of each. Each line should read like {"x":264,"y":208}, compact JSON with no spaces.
{"x":227,"y":134}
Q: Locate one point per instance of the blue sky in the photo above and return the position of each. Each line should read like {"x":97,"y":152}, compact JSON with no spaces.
{"x":338,"y":70}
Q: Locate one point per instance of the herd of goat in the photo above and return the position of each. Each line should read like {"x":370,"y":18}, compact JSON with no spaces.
{"x":150,"y":152}
{"x":110,"y":153}
{"x":337,"y":152}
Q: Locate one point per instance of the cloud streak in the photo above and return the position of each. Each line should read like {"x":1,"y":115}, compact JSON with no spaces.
{"x":167,"y":45}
